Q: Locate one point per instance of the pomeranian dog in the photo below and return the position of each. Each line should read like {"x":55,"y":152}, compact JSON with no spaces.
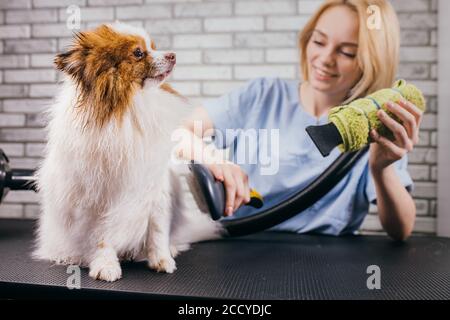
{"x":107,"y":188}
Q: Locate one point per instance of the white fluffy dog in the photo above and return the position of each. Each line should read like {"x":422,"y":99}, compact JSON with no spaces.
{"x":107,"y":189}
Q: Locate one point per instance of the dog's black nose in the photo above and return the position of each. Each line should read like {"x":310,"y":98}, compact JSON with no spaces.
{"x":170,"y":57}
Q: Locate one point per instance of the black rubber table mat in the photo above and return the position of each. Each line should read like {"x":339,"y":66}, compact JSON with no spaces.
{"x":260,"y":266}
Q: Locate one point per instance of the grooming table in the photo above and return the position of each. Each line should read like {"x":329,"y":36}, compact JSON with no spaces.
{"x":261,"y":266}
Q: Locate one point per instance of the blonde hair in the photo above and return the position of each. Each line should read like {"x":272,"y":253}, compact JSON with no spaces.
{"x":378,"y":48}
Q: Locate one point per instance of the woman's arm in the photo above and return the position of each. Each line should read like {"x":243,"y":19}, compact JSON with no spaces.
{"x":192,"y":147}
{"x":396,"y":207}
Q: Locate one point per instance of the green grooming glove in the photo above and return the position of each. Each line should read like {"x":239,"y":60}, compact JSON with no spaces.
{"x":355,"y":120}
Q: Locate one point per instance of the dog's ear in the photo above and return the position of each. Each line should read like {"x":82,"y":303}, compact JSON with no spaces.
{"x":152,"y":45}
{"x":72,"y":61}
{"x":67,"y":61}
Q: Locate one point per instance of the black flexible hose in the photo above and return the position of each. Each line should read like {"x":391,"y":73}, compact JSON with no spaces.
{"x":298,"y":202}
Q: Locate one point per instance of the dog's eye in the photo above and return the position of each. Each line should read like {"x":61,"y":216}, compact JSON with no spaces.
{"x":138,"y":53}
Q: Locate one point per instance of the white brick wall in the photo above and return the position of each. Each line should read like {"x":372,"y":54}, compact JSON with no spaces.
{"x":202,"y":41}
{"x":31,"y":16}
{"x":219,"y":43}
{"x":57,"y":3}
{"x":143,"y":12}
{"x":13,"y":61}
{"x":269,"y":7}
{"x":234,"y":24}
{"x":15,"y":4}
{"x":205,"y":9}
{"x":29,"y":76}
{"x":19,"y":31}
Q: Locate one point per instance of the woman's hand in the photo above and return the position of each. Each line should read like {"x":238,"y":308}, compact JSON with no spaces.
{"x":237,"y":190}
{"x":396,"y":208}
{"x":385,"y":152}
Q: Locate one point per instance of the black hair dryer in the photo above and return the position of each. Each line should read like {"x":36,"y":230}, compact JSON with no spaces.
{"x":14,"y":179}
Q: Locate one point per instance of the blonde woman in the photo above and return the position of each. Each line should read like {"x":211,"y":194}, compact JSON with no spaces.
{"x":341,"y":59}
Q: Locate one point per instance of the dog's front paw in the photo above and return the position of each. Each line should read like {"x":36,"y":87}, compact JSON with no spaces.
{"x":105,"y":270}
{"x":162,"y":264}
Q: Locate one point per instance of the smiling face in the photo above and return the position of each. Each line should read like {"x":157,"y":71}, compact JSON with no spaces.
{"x":108,"y":65}
{"x":331,"y":52}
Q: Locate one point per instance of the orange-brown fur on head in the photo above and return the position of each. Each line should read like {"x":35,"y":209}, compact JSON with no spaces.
{"x":107,"y":69}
